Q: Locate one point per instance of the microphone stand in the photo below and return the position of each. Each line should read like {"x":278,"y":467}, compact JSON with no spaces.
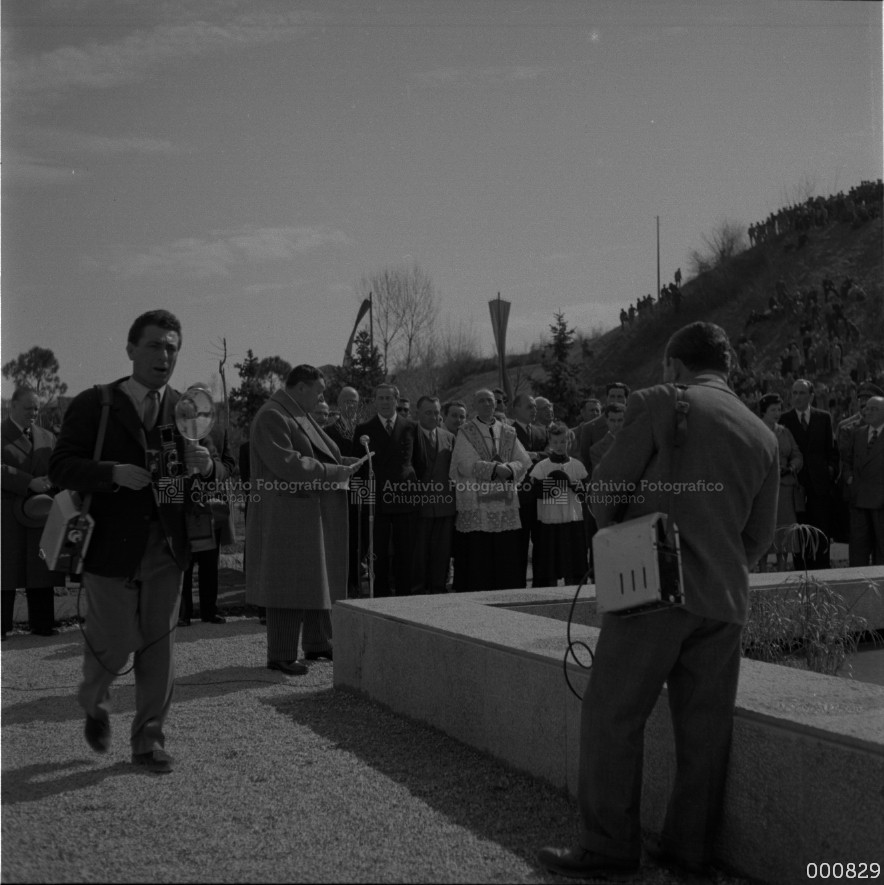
{"x":370,"y":529}
{"x":367,"y":444}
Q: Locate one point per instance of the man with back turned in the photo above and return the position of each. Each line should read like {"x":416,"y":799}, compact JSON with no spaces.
{"x":694,"y":648}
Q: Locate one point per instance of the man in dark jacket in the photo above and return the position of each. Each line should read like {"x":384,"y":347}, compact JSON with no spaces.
{"x":141,"y":542}
{"x":392,"y":440}
{"x":812,"y":429}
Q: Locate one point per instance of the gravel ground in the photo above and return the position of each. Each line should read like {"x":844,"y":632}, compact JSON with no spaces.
{"x":277,"y":780}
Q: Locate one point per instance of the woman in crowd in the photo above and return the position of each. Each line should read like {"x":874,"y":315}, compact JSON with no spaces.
{"x":770,"y":408}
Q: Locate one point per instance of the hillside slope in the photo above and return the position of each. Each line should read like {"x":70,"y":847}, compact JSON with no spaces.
{"x":727,"y":296}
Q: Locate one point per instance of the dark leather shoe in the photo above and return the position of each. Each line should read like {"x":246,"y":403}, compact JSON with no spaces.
{"x":45,"y":631}
{"x":216,"y":619}
{"x":316,"y":655}
{"x":290,"y":668}
{"x":576,"y":863}
{"x":183,"y":622}
{"x":665,"y":858}
{"x":152,"y":762}
{"x":98,"y":734}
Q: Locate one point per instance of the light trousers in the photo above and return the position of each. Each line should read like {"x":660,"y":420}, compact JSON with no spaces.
{"x":133,"y":615}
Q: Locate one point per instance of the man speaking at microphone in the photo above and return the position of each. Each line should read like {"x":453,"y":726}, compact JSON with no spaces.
{"x":140,"y":547}
{"x":297,"y":528}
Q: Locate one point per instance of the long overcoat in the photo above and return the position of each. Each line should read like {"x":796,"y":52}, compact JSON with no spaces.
{"x":22,"y":461}
{"x":296,"y":535}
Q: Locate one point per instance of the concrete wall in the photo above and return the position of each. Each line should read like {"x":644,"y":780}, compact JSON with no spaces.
{"x":807,"y":765}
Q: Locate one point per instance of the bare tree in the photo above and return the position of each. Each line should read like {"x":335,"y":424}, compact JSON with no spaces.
{"x":405,"y":307}
{"x":725,"y":241}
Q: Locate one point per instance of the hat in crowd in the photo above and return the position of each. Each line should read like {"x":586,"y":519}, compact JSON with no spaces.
{"x":869,"y":389}
{"x":33,"y":511}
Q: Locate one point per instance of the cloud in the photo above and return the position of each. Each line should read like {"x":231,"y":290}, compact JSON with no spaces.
{"x":27,"y":170}
{"x":217,"y":254}
{"x":491,"y":76}
{"x":103,"y":65}
{"x":58,"y":140}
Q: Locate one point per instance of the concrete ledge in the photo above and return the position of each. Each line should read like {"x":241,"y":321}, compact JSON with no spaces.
{"x":807,"y":762}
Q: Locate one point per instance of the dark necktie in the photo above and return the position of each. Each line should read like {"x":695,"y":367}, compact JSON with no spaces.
{"x":29,"y":433}
{"x":389,"y":427}
{"x":151,"y":409}
{"x":873,"y":438}
{"x":804,"y":420}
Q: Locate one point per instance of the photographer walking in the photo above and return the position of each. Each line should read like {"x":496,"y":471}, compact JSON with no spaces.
{"x":140,"y":548}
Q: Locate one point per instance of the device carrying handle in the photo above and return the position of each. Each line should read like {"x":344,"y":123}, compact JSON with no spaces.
{"x":682,"y":407}
{"x":99,"y":441}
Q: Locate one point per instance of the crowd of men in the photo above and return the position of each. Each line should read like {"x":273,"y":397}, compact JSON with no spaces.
{"x":445,"y":484}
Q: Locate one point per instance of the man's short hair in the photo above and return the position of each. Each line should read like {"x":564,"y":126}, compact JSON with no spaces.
{"x":613,"y":407}
{"x":806,"y":381}
{"x":24,"y":390}
{"x":303,"y":373}
{"x":519,"y":398}
{"x":557,"y":428}
{"x":593,"y":399}
{"x":701,"y":346}
{"x":426,"y":398}
{"x":617,"y":385}
{"x":455,"y":403}
{"x":484,"y":390}
{"x":386,"y":386}
{"x":161,"y":318}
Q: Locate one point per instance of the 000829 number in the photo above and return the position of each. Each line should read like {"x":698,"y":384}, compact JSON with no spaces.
{"x":843,"y":870}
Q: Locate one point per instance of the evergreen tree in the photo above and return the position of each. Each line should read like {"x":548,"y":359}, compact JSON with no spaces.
{"x":561,"y":386}
{"x":259,"y":379}
{"x":364,"y":372}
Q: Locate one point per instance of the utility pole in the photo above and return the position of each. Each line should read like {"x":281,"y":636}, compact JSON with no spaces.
{"x":657,"y":293}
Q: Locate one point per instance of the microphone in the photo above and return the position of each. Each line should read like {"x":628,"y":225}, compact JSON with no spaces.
{"x":365,"y":441}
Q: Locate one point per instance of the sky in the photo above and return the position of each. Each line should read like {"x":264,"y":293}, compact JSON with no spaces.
{"x":244,"y":163}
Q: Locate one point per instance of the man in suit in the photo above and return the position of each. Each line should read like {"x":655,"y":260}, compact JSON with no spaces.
{"x":844,"y":440}
{"x":544,"y":414}
{"x":614,"y":414}
{"x":434,"y":527}
{"x":341,"y":431}
{"x":26,"y":450}
{"x":534,"y":441}
{"x":297,"y":524}
{"x":590,"y":410}
{"x":812,"y":430}
{"x":206,"y":561}
{"x":454,"y":415}
{"x":694,"y":648}
{"x":140,"y":544}
{"x":864,"y":467}
{"x":392,"y":440}
{"x":594,"y":431}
